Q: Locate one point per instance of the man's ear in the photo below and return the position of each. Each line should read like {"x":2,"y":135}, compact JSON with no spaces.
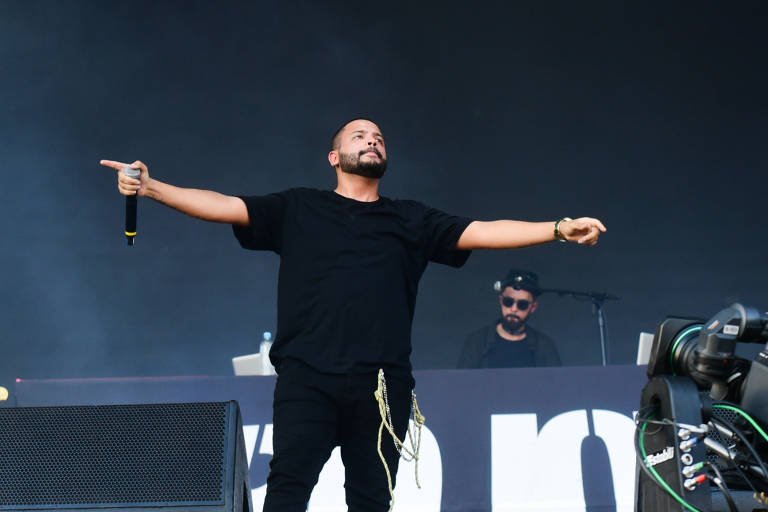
{"x":333,"y":158}
{"x":534,"y":305}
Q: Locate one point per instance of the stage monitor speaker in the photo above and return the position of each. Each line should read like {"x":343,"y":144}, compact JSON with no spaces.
{"x":132,"y":458}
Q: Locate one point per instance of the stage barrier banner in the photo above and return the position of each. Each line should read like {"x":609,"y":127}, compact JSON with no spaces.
{"x":522,"y":440}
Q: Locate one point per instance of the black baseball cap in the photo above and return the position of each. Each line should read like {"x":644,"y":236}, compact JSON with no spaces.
{"x":520,"y":280}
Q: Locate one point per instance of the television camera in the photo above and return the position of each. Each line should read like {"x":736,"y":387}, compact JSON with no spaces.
{"x":702,"y":428}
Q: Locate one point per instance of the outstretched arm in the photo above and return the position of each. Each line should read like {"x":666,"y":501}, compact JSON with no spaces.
{"x":510,"y":234}
{"x":203,"y":204}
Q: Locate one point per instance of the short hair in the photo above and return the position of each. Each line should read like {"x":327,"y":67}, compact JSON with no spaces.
{"x":337,"y":133}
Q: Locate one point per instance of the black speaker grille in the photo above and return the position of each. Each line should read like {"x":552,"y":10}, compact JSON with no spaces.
{"x":112,"y":454}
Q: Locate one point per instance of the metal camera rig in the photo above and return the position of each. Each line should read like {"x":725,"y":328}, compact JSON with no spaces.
{"x":701,"y":429}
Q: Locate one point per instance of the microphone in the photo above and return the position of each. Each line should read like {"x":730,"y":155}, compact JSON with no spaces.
{"x":130,"y":207}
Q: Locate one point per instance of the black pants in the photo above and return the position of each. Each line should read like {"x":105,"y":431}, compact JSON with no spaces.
{"x":313,"y":413}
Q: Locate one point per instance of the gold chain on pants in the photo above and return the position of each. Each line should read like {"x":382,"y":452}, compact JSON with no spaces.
{"x":414,"y":433}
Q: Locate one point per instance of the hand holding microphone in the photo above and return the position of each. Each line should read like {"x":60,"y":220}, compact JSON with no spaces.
{"x":131,"y":204}
{"x":131,"y":182}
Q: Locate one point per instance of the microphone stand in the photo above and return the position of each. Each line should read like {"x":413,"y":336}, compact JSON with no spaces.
{"x":597,"y":299}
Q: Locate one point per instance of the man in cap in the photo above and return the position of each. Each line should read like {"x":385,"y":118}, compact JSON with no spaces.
{"x":510,"y":342}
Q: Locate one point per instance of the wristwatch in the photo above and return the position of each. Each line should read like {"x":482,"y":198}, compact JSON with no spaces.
{"x":558,"y":235}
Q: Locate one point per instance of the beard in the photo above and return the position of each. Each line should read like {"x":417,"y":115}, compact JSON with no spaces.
{"x":351,"y":164}
{"x":512,"y":324}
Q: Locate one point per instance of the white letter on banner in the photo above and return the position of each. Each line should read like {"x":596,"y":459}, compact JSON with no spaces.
{"x":617,"y":431}
{"x":537,"y":471}
{"x":250,"y":436}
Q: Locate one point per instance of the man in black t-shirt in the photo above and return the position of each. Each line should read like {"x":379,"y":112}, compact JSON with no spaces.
{"x":350,"y":263}
{"x":328,"y":316}
{"x":510,"y":342}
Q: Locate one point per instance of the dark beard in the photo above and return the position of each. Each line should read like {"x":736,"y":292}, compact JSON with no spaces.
{"x":351,"y":164}
{"x":512,"y":326}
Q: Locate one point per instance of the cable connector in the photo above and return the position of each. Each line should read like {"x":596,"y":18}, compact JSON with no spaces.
{"x":725,"y":432}
{"x":716,"y":480}
{"x":686,"y":446}
{"x":719,"y":449}
{"x":694,"y":482}
{"x":686,"y":430}
{"x":689,"y":471}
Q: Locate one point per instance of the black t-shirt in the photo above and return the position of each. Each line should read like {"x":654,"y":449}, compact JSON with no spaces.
{"x":484,"y":348}
{"x":509,"y":354}
{"x":349,"y":274}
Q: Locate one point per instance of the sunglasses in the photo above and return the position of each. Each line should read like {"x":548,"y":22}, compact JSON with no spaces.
{"x":522,"y":304}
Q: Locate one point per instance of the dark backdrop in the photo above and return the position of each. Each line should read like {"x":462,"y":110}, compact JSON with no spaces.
{"x":648,"y":115}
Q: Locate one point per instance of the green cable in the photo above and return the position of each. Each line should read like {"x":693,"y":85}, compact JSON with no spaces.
{"x":658,"y":477}
{"x":745,"y":415}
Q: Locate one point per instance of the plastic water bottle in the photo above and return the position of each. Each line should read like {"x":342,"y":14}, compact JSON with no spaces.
{"x":264,"y":347}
